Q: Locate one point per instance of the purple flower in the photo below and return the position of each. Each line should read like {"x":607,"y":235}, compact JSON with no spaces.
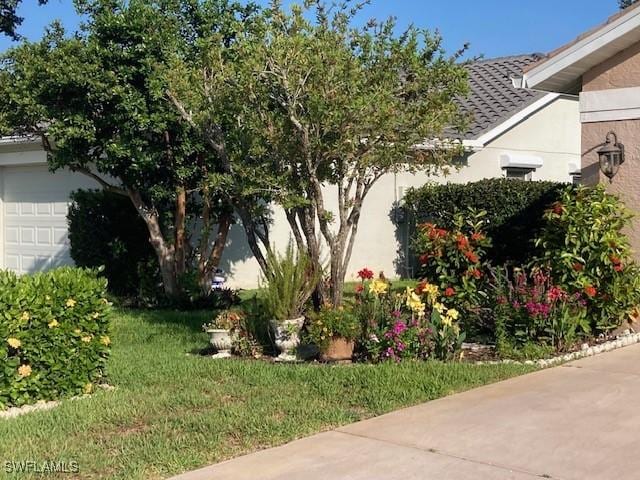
{"x":400,"y":346}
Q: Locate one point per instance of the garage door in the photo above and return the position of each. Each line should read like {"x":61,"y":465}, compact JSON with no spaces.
{"x":35,"y":204}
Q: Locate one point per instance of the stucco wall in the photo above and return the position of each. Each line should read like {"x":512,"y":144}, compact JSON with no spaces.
{"x":620,"y":71}
{"x":553,"y":134}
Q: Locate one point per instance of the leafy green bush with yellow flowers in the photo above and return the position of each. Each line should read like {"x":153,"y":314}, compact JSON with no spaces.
{"x":54,"y":339}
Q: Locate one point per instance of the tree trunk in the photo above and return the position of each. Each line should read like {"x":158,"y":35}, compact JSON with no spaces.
{"x":164,"y":252}
{"x":210,"y":265}
{"x":179,"y":220}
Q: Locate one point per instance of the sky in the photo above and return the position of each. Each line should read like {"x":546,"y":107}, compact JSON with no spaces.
{"x":493,"y":28}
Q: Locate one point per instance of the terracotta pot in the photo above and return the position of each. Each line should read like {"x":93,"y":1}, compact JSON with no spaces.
{"x":339,"y":350}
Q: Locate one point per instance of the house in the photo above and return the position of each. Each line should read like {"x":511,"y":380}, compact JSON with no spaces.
{"x":514,"y":133}
{"x":602,"y":66}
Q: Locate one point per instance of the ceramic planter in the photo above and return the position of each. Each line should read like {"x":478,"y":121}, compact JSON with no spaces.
{"x":339,"y":350}
{"x":286,"y":334}
{"x":221,"y":340}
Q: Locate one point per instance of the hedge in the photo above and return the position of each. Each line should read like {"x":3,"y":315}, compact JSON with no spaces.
{"x":106,"y":231}
{"x":514,"y":211}
{"x":54,"y":339}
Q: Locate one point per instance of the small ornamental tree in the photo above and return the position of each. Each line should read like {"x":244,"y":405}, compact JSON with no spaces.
{"x":337,"y":107}
{"x":98,"y":101}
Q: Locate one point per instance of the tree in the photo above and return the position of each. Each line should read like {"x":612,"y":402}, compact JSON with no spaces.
{"x":9,"y":19}
{"x":337,"y":107}
{"x":626,"y":3}
{"x":98,"y":101}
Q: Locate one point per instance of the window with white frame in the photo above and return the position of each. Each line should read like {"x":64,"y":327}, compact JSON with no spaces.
{"x":517,"y":166}
{"x":515,"y":173}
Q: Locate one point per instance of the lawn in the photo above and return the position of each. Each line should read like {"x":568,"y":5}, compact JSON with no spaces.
{"x":172,"y":412}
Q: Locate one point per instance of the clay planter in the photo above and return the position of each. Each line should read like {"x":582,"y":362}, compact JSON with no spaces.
{"x":339,"y":350}
{"x":287,"y":337}
{"x":221,"y":340}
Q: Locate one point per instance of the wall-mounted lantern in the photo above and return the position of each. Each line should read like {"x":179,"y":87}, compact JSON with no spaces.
{"x":611,"y":156}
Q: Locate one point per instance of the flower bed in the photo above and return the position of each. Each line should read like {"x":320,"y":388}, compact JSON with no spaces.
{"x":53,"y":333}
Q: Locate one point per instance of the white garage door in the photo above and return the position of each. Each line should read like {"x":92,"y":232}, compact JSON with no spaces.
{"x":35,"y":224}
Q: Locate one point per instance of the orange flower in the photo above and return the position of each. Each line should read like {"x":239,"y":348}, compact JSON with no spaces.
{"x":590,"y":291}
{"x":462,"y":241}
{"x":475,"y":273}
{"x":449,"y":292}
{"x":420,"y":287}
{"x":614,"y":259}
{"x":472,"y":257}
{"x":359,"y":288}
{"x":477,"y":236}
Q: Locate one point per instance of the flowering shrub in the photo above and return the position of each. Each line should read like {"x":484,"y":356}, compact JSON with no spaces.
{"x":54,"y":338}
{"x":241,"y":329}
{"x":406,"y":325}
{"x":330,"y":323}
{"x":456,"y":258}
{"x":584,"y":245}
{"x":531,"y":308}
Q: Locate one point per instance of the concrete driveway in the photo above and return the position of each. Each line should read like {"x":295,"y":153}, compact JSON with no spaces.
{"x":577,"y":421}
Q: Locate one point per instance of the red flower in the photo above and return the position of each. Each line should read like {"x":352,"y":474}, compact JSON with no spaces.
{"x":617,"y":268}
{"x":462,"y":241}
{"x":472,"y":257}
{"x":359,"y":288}
{"x":590,"y":291}
{"x":557,"y":208}
{"x":614,"y":259}
{"x":477,"y":236}
{"x":475,"y":273}
{"x":423,"y":259}
{"x":365,"y":274}
{"x":420,"y":287}
{"x":449,"y":292}
{"x":578,"y":267}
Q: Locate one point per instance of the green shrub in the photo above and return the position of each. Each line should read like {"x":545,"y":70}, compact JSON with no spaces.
{"x":106,"y":231}
{"x":53,"y":335}
{"x":583,"y":244}
{"x":513,"y":209}
{"x":455,"y":260}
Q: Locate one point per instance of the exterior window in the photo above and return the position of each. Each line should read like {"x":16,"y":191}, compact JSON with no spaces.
{"x":514,"y":173}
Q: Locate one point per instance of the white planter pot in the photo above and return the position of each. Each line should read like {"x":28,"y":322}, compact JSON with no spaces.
{"x":220,"y":339}
{"x":287,"y":337}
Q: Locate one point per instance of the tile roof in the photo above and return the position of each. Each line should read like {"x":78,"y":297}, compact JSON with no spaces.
{"x":493,"y":99}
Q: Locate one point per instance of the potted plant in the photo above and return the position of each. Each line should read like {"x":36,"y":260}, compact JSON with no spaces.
{"x":287,"y":284}
{"x":334,"y":331}
{"x":222,"y":330}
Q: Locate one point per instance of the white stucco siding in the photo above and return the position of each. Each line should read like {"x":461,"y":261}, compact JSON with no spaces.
{"x":552,"y":134}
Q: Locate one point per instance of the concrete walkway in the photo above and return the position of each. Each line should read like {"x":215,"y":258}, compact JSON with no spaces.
{"x":577,"y":421}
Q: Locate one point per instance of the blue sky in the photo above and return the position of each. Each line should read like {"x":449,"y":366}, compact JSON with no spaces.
{"x":493,"y":27}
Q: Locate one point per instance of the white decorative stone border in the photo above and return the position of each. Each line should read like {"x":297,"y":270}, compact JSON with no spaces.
{"x":624,"y":340}
{"x":40,"y":405}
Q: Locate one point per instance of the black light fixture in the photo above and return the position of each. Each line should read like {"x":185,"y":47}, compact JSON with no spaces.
{"x":611,"y":156}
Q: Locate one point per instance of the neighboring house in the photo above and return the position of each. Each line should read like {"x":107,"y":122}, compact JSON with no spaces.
{"x":603,"y":67}
{"x":514,"y":133}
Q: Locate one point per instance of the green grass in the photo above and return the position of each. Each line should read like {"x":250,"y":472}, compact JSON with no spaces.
{"x":173,"y":412}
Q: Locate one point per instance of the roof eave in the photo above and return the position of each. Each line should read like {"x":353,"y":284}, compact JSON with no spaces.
{"x":562,"y":72}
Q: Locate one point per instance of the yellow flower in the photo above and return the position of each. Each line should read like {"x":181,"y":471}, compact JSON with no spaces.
{"x":440,"y":308}
{"x":447,"y":321}
{"x":86,"y":338}
{"x":25,"y":316}
{"x":431,"y":291}
{"x":453,"y":313}
{"x":88,"y":388}
{"x":24,"y":370}
{"x":378,"y":287}
{"x":71,"y":303}
{"x":456,"y":329}
{"x":53,"y":323}
{"x":14,"y":342}
{"x":95,"y":315}
{"x":414,"y":303}
{"x":77,"y":331}
{"x":106,"y":341}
